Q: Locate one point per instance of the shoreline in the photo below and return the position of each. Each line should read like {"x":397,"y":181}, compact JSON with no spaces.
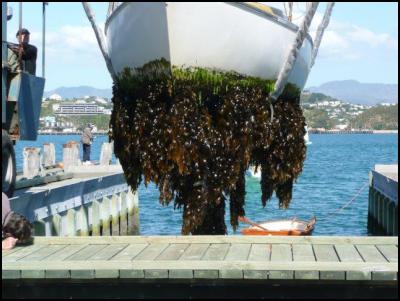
{"x":309,"y":131}
{"x":365,"y":132}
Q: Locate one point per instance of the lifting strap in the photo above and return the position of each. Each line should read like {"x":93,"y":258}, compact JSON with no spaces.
{"x":320,"y":31}
{"x":293,"y":53}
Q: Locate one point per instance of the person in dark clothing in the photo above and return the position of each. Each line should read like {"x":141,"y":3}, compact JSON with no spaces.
{"x":86,"y":139}
{"x":15,"y":227}
{"x":22,"y":56}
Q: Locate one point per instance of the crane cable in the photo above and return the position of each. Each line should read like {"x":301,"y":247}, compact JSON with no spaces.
{"x":320,"y":31}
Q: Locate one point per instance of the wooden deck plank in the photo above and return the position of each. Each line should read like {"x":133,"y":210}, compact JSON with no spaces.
{"x":260,"y":252}
{"x":107,"y":274}
{"x":65,"y":253}
{"x":151,"y":251}
{"x":194,"y":252}
{"x":326,"y":253}
{"x":301,"y":253}
{"x":108,"y":252}
{"x":131,"y":274}
{"x":25,"y":251}
{"x":201,"y":265}
{"x":130,"y":252}
{"x":32,"y":274}
{"x":155,"y":274}
{"x":181,"y":274}
{"x":43,"y":253}
{"x":238,"y":252}
{"x":255,"y":274}
{"x":58,"y":274}
{"x":206,"y":274}
{"x":86,"y":252}
{"x":384,"y":276}
{"x":370,"y":253}
{"x":216,"y":252}
{"x":83,"y":274}
{"x":6,"y":252}
{"x":10,"y":274}
{"x":348,"y":253}
{"x":219,"y":239}
{"x":230,"y":273}
{"x":172,"y":252}
{"x":283,"y":253}
{"x":391,"y":252}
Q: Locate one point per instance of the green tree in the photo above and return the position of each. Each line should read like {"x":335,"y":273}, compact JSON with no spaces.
{"x":317,"y":118}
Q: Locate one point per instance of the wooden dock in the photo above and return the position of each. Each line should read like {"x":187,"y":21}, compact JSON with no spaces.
{"x":202,"y":266}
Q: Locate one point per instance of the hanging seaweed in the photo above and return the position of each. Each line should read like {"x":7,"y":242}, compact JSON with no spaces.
{"x":194,"y":132}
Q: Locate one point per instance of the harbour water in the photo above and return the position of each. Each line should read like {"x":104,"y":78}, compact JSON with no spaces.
{"x":336,"y":167}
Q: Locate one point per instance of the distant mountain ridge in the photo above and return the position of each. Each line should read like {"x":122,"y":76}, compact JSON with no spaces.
{"x":78,"y":92}
{"x":359,"y":93}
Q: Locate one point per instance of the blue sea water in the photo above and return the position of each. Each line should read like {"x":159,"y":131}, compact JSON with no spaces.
{"x":336,"y":168}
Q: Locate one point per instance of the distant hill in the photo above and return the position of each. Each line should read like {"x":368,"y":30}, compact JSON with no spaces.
{"x":378,"y":118}
{"x":347,"y":90}
{"x":322,"y":111}
{"x":359,"y":93}
{"x":78,"y":92}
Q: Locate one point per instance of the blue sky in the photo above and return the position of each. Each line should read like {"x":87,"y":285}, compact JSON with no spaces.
{"x":360,"y":43}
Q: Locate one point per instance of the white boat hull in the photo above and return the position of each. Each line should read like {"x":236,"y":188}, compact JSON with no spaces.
{"x":216,"y":35}
{"x":252,"y":173}
{"x":285,"y":225}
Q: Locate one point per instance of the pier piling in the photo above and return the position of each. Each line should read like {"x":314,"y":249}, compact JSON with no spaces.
{"x":106,"y":153}
{"x":49,"y":155}
{"x":31,"y":167}
{"x":71,"y":154}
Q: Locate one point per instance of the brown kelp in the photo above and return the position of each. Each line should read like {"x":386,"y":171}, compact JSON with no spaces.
{"x":194,"y":132}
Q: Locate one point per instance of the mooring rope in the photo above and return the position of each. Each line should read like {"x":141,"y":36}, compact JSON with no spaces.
{"x":347,"y":204}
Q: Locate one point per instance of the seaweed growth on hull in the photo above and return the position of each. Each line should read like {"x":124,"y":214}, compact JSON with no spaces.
{"x":194,"y":132}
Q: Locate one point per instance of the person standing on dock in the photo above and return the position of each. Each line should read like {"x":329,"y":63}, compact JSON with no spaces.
{"x":22,"y":56}
{"x":15,"y":227}
{"x":86,"y":139}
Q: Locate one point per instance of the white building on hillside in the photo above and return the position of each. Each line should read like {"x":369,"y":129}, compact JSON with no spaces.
{"x":341,"y":126}
{"x":101,"y":100}
{"x":55,"y":97}
{"x":78,"y":109}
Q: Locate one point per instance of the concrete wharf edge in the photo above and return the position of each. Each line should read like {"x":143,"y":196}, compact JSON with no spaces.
{"x":383,"y":200}
{"x":319,"y":258}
